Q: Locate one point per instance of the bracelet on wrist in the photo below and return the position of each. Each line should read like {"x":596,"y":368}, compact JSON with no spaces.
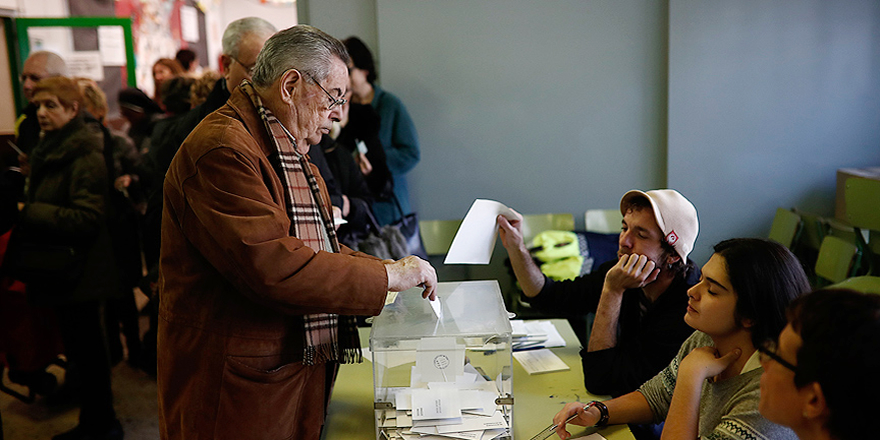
{"x":603,"y":413}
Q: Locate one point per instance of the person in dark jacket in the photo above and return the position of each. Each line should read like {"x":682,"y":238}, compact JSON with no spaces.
{"x":38,"y":65}
{"x":142,"y":114}
{"x":357,"y":162}
{"x":65,"y":205}
{"x":242,"y":41}
{"x":123,"y":215}
{"x":397,"y":131}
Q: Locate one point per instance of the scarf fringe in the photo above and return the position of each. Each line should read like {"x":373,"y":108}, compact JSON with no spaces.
{"x":332,"y":352}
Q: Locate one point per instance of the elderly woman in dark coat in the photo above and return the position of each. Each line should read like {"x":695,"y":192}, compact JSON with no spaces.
{"x":64,"y":206}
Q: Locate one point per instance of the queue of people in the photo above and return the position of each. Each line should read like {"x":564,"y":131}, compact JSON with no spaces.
{"x":134,"y":166}
{"x":256,"y":288}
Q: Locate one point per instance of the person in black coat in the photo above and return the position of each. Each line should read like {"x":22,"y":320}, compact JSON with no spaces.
{"x":65,"y":205}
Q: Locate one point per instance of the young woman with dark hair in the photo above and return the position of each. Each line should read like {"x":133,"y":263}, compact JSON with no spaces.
{"x":711,"y":389}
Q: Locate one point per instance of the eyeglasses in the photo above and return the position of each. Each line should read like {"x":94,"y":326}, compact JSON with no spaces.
{"x":768,"y":351}
{"x":248,"y":69}
{"x":30,"y":76}
{"x":333,"y":101}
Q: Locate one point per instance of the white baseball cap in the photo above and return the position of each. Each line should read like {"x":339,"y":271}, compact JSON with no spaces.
{"x":676,"y":216}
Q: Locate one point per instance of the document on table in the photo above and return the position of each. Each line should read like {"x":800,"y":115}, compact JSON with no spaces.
{"x":475,"y":239}
{"x":540,"y":361}
{"x":529,"y":335}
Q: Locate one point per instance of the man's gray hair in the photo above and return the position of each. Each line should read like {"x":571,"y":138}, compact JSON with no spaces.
{"x":303,"y":47}
{"x":238,"y":29}
{"x":55,"y":65}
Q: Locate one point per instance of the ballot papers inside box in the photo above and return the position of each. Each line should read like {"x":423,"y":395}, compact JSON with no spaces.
{"x":444,"y":371}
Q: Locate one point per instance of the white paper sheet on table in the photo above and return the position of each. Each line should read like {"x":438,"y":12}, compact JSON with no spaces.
{"x":540,"y":361}
{"x":475,"y":239}
{"x":543,"y":333}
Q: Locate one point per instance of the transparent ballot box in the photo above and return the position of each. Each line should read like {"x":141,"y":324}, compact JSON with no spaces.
{"x":446,"y":371}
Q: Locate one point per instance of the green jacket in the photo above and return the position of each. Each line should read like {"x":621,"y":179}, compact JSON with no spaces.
{"x":65,"y":203}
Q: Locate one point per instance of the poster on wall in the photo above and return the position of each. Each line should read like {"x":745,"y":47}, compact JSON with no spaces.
{"x":111,"y":43}
{"x":85,"y":64}
{"x":189,"y":24}
{"x":52,"y":38}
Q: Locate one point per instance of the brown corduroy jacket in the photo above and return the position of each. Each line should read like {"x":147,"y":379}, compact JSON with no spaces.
{"x":234,"y":285}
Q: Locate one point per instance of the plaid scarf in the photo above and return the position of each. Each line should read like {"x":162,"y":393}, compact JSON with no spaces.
{"x":328,"y":337}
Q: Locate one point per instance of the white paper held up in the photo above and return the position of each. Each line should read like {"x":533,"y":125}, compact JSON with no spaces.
{"x":475,"y":239}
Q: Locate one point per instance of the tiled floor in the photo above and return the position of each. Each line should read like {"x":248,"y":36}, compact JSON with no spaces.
{"x":134,"y":398}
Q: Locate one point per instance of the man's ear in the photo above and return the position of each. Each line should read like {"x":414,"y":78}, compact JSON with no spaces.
{"x":224,"y":61}
{"x":815,"y":406}
{"x":290,"y":80}
{"x":672,"y":258}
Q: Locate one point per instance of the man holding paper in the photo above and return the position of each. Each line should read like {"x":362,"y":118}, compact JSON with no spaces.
{"x":639,"y":300}
{"x":257,"y":294}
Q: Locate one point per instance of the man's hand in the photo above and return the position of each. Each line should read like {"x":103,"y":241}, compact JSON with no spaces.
{"x":337,"y":215}
{"x":24,"y":165}
{"x":510,"y":231}
{"x":346,"y":206}
{"x":410,"y":272}
{"x":630,"y":272}
{"x":122,"y":182}
{"x":364,"y":164}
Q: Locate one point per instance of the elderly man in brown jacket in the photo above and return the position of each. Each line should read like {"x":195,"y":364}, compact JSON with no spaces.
{"x":256,"y":293}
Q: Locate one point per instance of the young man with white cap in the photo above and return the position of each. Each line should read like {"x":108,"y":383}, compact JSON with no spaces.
{"x":639,"y":300}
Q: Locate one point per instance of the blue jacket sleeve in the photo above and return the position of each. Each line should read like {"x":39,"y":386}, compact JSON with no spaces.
{"x":397,"y":133}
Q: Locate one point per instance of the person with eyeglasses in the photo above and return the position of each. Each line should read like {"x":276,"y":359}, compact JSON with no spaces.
{"x":258,"y":298}
{"x":819,"y":376}
{"x":241,"y":43}
{"x":711,"y":389}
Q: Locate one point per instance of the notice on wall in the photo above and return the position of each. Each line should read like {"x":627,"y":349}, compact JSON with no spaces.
{"x":86,"y":64}
{"x":111,"y":43}
{"x":189,"y":24}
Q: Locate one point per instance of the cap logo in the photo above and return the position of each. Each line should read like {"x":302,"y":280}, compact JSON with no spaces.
{"x":671,"y":238}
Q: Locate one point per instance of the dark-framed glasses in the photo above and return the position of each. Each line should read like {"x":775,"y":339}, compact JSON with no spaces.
{"x":768,"y":350}
{"x":248,"y":69}
{"x":334,"y":102}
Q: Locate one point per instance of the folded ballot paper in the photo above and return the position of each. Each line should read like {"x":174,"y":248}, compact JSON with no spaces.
{"x":447,"y":398}
{"x":475,"y":239}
